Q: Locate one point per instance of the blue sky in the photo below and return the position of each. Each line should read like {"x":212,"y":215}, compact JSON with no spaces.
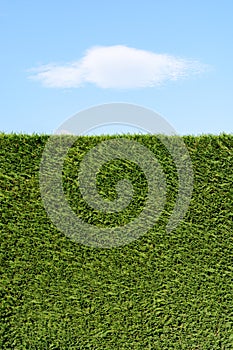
{"x":172,"y":56}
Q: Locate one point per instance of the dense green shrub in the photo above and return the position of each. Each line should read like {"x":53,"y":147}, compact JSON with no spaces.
{"x":163,"y":291}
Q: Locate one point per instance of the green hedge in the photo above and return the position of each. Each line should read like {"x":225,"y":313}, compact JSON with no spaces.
{"x":163,"y":291}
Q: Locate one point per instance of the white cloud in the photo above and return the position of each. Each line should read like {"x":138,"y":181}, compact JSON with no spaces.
{"x":117,"y":66}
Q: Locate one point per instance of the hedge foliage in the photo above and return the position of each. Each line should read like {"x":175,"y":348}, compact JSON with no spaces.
{"x":163,"y":291}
